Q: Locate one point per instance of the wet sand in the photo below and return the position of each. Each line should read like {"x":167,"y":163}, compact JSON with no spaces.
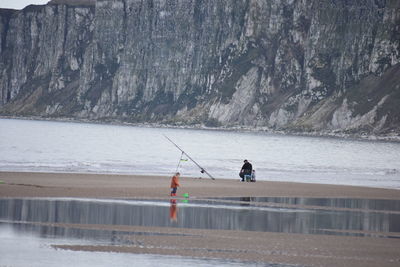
{"x":303,"y":249}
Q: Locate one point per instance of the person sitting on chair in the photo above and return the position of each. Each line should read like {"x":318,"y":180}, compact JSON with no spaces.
{"x":246,"y":170}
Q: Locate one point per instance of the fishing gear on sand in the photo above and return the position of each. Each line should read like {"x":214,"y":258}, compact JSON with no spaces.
{"x":202,"y":170}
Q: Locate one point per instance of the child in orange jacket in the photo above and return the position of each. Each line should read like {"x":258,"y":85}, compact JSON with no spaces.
{"x":175,"y":184}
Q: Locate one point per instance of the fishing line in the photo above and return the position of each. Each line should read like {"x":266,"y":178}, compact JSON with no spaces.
{"x":179,"y":163}
{"x":202,"y":170}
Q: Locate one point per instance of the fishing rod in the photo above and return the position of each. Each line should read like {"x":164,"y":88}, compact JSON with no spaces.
{"x":202,"y":170}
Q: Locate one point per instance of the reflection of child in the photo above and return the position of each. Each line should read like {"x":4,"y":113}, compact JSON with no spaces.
{"x":253,"y":176}
{"x":175,"y":184}
{"x":173,"y":211}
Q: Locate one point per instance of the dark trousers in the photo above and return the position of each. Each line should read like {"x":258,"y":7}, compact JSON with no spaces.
{"x":173,"y":191}
{"x":244,"y":173}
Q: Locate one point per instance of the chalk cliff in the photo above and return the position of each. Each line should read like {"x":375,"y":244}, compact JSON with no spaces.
{"x":302,"y":65}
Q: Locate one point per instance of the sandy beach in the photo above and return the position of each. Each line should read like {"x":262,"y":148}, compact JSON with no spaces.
{"x":25,"y":184}
{"x":264,"y":247}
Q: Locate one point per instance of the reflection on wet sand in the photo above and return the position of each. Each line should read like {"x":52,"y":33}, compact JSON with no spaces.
{"x":201,"y":215}
{"x":173,"y":211}
{"x":246,"y":231}
{"x":173,"y":208}
{"x":336,"y":203}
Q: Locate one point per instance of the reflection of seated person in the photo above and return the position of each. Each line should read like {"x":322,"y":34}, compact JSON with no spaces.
{"x":173,"y":212}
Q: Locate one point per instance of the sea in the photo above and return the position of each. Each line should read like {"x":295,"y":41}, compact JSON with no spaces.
{"x":76,"y":147}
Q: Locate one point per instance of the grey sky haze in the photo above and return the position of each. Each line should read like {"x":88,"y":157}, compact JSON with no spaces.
{"x":20,"y":4}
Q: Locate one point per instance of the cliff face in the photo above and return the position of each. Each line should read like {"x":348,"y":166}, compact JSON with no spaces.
{"x":287,"y":64}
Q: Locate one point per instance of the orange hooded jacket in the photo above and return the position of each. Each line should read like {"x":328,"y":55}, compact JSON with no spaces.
{"x":175,"y":181}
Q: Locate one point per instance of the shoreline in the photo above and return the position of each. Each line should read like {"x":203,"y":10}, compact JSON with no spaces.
{"x":355,"y":249}
{"x":55,"y":184}
{"x":78,"y":172}
{"x":321,"y":134}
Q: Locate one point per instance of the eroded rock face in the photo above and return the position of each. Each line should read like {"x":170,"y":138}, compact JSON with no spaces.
{"x":287,"y":64}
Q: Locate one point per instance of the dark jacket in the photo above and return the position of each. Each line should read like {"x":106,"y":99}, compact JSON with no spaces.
{"x":247,"y":168}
